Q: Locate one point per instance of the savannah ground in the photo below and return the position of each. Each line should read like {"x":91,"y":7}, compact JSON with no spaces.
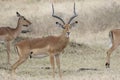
{"x":85,"y":56}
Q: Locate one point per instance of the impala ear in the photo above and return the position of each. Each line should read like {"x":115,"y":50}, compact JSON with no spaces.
{"x":73,"y":24}
{"x":18,"y":15}
{"x":59,"y":25}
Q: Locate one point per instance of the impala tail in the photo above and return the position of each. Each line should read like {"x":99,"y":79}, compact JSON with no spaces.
{"x":111,"y":38}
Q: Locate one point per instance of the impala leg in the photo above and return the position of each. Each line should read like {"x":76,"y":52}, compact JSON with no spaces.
{"x":23,"y":55}
{"x":109,"y":52}
{"x":8,"y":51}
{"x":58,"y":65}
{"x":19,"y":62}
{"x":52,"y":64}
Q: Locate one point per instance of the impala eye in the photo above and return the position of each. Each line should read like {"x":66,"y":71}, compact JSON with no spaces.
{"x":76,"y":21}
{"x":57,"y":22}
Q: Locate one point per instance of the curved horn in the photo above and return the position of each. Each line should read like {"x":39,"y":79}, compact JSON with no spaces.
{"x":75,"y":15}
{"x":56,"y":16}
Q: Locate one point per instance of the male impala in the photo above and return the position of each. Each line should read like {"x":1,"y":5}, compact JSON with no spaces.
{"x":8,"y":34}
{"x":47,"y":46}
{"x":115,"y":41}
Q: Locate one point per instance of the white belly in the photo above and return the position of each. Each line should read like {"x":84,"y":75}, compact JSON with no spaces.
{"x":39,"y":55}
{"x":40,"y":52}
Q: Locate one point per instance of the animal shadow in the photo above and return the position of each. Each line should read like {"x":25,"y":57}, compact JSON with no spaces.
{"x":87,"y":69}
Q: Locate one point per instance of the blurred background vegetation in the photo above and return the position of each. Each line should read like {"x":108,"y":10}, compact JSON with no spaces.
{"x":96,"y":17}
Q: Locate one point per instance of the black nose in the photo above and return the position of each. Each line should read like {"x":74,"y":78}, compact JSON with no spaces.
{"x":68,"y":33}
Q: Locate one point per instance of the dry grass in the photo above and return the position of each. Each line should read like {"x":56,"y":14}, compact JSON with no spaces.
{"x":79,"y":62}
{"x":84,"y":57}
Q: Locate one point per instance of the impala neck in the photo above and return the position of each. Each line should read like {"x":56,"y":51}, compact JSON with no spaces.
{"x":64,"y":36}
{"x":63,"y":41}
{"x":18,"y":28}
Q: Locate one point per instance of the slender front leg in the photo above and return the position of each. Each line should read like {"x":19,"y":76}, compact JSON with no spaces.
{"x":19,"y":62}
{"x":58,"y":65}
{"x":52,"y":64}
{"x":8,"y":51}
{"x":109,"y":52}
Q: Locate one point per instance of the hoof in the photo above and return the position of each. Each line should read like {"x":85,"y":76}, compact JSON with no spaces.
{"x":107,"y":65}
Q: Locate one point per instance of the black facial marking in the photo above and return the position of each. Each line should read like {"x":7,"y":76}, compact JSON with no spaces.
{"x":31,"y":54}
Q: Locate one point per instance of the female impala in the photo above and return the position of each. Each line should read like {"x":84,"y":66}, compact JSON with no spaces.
{"x":47,"y":46}
{"x":8,"y":34}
